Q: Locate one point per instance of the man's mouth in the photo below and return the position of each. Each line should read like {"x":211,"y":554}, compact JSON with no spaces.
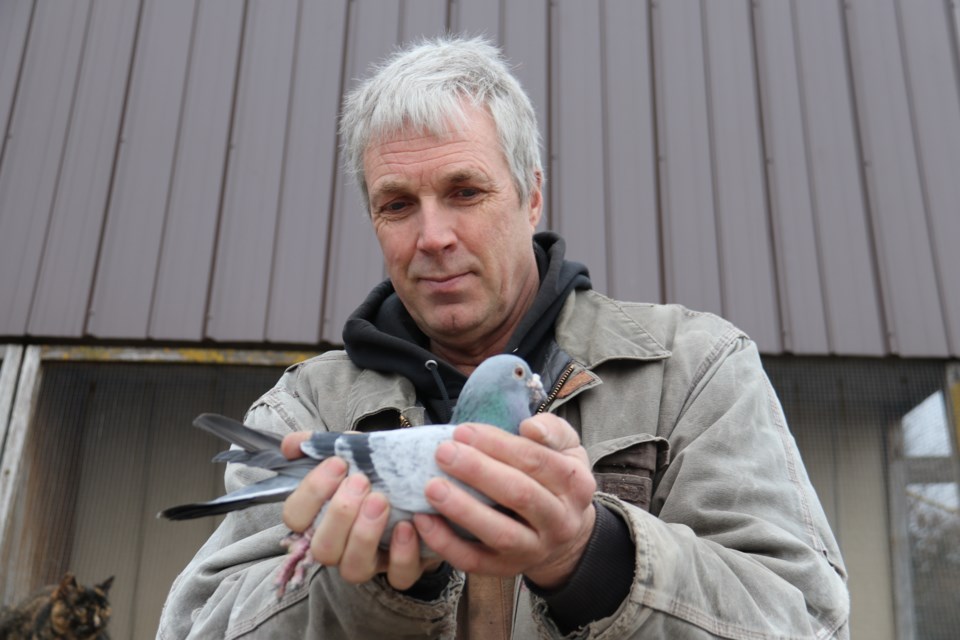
{"x":444,"y":283}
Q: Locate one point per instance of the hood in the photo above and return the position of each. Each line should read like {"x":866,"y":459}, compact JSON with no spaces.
{"x":381,"y":335}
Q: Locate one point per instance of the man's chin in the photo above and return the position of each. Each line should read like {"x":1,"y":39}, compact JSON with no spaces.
{"x":451,"y":325}
{"x":450,"y":328}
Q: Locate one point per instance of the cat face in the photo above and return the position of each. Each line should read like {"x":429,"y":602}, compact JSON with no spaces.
{"x":77,"y":612}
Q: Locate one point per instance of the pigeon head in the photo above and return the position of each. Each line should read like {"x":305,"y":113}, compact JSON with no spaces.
{"x":502,"y":391}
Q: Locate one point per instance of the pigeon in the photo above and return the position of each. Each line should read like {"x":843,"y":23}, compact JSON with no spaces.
{"x":502,"y":391}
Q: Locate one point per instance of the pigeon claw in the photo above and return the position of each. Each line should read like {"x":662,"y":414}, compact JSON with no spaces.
{"x":294,"y":568}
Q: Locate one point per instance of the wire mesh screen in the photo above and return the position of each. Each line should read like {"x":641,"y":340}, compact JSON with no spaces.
{"x":110,"y":444}
{"x":879,"y":447}
{"x":926,"y":455}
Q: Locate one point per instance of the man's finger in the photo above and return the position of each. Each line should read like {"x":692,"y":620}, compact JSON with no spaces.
{"x":404,"y":567}
{"x":360,"y":559}
{"x":463,"y":555}
{"x":559,"y":471}
{"x":491,"y":527}
{"x":550,"y":431}
{"x":333,"y":530}
{"x":302,"y":506}
{"x":291,"y":444}
{"x":290,"y":447}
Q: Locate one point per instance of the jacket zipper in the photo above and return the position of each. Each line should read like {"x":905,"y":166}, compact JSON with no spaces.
{"x":562,"y":380}
{"x":404,"y":423}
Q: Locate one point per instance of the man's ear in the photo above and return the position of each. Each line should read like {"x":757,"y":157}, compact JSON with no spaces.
{"x":535,"y":201}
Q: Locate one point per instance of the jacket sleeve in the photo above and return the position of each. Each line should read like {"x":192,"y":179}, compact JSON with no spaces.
{"x":739,"y":546}
{"x":227,"y":589}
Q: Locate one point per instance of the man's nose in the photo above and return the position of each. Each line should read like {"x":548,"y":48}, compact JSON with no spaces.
{"x":437,"y":227}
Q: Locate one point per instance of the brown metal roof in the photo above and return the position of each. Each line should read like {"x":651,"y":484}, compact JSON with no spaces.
{"x":170,"y":168}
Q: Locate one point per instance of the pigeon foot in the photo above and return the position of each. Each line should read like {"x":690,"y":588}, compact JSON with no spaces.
{"x":294,"y":568}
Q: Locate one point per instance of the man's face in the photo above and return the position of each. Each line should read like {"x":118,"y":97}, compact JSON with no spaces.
{"x":454,"y":234}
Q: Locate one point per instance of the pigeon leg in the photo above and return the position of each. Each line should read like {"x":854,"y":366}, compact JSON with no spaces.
{"x":294,"y":568}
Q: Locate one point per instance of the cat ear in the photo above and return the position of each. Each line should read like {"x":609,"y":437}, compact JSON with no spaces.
{"x":105,"y":585}
{"x":68,"y":583}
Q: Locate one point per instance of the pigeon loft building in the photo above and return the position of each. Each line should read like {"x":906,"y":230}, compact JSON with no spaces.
{"x":175,"y":229}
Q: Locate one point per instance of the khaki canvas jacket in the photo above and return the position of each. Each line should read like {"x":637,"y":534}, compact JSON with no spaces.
{"x":689,"y":445}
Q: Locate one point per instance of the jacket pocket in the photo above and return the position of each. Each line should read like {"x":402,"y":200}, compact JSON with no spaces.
{"x":627,"y":467}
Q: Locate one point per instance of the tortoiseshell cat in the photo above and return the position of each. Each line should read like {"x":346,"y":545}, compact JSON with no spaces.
{"x":63,"y":611}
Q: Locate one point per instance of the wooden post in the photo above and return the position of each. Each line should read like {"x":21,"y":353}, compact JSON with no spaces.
{"x":10,"y":465}
{"x":9,"y":369}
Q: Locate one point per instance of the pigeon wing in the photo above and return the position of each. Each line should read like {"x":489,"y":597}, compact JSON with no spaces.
{"x":237,"y":433}
{"x":273,"y":489}
{"x":257,"y":449}
{"x":398,"y":462}
{"x":405,"y":460}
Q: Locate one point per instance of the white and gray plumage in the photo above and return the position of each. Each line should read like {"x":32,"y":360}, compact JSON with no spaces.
{"x":502,"y":391}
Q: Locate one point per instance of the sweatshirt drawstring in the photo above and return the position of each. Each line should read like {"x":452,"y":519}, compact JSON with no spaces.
{"x":433,"y":368}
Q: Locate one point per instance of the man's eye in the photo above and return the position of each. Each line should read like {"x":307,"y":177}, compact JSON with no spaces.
{"x":394,"y":207}
{"x":467,"y":192}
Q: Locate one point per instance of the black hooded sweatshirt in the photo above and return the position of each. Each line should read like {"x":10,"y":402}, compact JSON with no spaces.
{"x":381,"y":335}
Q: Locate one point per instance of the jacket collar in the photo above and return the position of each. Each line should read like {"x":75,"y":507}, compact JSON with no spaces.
{"x":593,"y":329}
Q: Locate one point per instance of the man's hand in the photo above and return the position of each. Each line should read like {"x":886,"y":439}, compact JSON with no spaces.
{"x":543,"y":477}
{"x":348,"y":535}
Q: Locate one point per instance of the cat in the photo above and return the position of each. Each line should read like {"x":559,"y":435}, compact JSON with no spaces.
{"x":62,"y":611}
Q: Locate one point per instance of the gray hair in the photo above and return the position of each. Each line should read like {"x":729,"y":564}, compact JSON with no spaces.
{"x":423,"y":86}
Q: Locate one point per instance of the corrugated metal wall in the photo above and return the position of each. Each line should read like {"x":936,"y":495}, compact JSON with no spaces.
{"x":169,"y":170}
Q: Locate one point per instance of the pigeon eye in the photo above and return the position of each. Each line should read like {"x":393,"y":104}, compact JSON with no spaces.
{"x":518,"y":372}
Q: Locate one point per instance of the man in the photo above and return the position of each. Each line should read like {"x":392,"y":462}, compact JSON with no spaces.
{"x":660,"y":495}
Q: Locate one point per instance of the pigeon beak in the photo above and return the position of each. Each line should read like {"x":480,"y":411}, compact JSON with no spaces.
{"x":537,"y":395}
